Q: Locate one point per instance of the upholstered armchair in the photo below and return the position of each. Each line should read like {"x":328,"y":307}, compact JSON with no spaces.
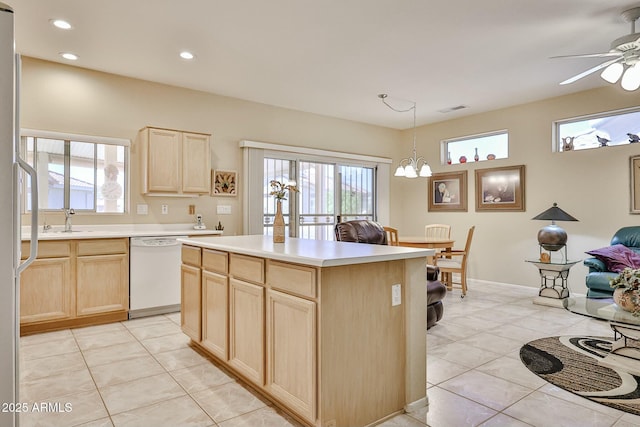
{"x":361,"y":231}
{"x":608,"y":262}
{"x":436,"y":291}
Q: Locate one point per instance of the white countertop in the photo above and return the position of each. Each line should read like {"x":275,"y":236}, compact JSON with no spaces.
{"x":318,"y":253}
{"x":117,"y":230}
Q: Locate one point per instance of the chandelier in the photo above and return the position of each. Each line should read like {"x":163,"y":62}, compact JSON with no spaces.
{"x":410,"y":167}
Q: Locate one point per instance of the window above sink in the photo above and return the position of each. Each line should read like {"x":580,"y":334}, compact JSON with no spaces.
{"x":85,"y":173}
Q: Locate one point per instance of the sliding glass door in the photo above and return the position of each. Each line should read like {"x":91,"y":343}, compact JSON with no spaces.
{"x":329,"y":193}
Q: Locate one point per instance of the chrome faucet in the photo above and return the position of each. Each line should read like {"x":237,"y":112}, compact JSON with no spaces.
{"x":67,"y":219}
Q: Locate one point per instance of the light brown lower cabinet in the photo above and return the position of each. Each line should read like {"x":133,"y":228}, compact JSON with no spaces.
{"x":46,"y":291}
{"x":74,"y":283}
{"x":103,"y":284}
{"x":291,"y":351}
{"x":246,"y":329}
{"x":191,"y":296}
{"x":215,"y":291}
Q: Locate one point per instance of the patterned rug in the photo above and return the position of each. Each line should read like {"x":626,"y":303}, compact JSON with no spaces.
{"x":571,"y":362}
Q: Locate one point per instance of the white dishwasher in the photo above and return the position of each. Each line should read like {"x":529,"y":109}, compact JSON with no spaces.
{"x":154,"y":275}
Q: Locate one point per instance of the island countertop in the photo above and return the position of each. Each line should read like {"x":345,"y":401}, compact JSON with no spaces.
{"x":317,"y":253}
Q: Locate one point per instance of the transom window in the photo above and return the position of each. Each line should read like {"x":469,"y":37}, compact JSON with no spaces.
{"x":488,"y":146}
{"x":74,"y":171}
{"x":598,"y":130}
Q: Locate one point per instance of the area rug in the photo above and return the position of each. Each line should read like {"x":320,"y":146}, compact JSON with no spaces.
{"x":571,"y":363}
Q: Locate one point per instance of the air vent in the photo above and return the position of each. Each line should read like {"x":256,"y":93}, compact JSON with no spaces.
{"x":450,"y":109}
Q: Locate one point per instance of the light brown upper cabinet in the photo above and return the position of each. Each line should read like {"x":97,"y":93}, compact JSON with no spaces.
{"x":174,"y":162}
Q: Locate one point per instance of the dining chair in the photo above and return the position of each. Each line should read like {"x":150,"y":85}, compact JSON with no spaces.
{"x":392,"y":236}
{"x":455,"y":261}
{"x":441,"y":231}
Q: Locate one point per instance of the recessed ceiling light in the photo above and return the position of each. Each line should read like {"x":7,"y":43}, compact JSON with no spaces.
{"x":68,"y":55}
{"x":186,"y":55}
{"x":60,"y":23}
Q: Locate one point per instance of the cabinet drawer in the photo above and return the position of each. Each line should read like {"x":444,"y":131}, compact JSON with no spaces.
{"x":247,"y":268}
{"x":215,"y":261}
{"x":191,"y":255}
{"x":47,"y":249}
{"x":102,"y":246}
{"x":297,"y":279}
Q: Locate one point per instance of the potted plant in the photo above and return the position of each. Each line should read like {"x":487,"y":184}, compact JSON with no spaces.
{"x":627,"y":290}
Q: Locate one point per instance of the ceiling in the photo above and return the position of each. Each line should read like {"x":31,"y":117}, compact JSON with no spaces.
{"x":332,"y":57}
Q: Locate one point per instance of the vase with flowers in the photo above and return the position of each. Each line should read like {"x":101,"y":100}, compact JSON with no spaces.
{"x":627,"y":290}
{"x":279,"y":192}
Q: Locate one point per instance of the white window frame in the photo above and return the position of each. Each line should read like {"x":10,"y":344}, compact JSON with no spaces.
{"x":254,"y":153}
{"x":556,"y":138}
{"x":126,"y":143}
{"x":444,"y":144}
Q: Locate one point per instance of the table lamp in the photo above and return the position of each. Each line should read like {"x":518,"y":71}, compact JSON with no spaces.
{"x":552,"y":237}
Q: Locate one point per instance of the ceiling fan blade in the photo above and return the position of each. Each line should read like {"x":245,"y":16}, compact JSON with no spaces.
{"x":591,"y":70}
{"x":589,"y":55}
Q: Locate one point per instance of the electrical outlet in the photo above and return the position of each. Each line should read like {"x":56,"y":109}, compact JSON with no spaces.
{"x":192,"y":209}
{"x":396,"y":295}
{"x":165,"y":209}
{"x":223,"y":209}
{"x":142,"y":209}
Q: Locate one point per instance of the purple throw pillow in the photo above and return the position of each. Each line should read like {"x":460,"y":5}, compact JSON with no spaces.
{"x":617,"y":257}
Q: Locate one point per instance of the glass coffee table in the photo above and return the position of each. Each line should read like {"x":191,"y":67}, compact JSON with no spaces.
{"x":625,"y":350}
{"x":601,"y":308}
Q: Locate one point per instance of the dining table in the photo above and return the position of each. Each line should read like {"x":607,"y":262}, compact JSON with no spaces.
{"x":429,"y":243}
{"x":426,"y":242}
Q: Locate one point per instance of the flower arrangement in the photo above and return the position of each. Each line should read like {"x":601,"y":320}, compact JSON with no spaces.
{"x":629,"y":282}
{"x":279,"y":189}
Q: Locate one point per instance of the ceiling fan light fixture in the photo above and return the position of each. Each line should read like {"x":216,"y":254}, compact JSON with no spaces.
{"x":631,"y":78}
{"x":613,"y":72}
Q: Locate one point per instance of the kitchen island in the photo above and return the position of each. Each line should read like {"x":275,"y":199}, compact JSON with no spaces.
{"x":318,"y":327}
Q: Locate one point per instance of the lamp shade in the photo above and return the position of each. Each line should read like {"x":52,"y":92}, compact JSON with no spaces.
{"x":613,"y":72}
{"x":425,"y":170}
{"x":631,"y":78}
{"x":410,"y":171}
{"x":554,"y":213}
{"x":553,"y":237}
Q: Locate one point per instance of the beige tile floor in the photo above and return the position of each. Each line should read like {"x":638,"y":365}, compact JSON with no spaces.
{"x":142,"y":373}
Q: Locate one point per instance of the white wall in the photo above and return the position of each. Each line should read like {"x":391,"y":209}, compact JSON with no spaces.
{"x":591,"y":185}
{"x":63,"y":98}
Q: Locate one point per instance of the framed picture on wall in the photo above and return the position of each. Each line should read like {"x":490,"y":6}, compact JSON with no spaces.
{"x":224,"y":183}
{"x":500,"y":189}
{"x":448,"y":192}
{"x":634,"y":163}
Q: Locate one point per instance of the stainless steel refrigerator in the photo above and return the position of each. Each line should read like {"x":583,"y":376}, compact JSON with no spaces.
{"x":10,"y":202}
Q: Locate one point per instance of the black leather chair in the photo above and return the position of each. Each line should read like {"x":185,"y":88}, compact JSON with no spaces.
{"x":361,"y":231}
{"x":365,"y":231}
{"x":436,"y":291}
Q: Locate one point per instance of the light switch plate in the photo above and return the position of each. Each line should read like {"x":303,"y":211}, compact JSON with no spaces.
{"x":142,"y":209}
{"x":396,"y":295}
{"x":165,"y":209}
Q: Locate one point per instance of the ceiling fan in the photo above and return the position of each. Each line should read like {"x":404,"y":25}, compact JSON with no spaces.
{"x":625,"y":51}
